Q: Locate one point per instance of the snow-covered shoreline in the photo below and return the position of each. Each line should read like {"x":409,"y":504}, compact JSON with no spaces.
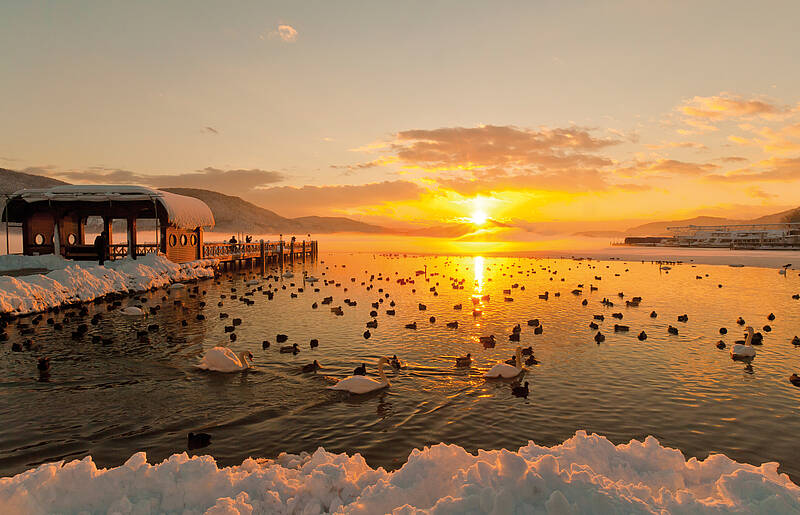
{"x":71,"y":282}
{"x":585,"y":474}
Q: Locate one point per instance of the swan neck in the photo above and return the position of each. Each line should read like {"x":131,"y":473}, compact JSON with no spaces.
{"x":243,"y":360}
{"x":381,"y":373}
{"x":749,"y":339}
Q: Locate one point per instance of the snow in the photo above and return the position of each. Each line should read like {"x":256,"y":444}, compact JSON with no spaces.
{"x":84,"y":281}
{"x":182,"y":211}
{"x":585,"y":474}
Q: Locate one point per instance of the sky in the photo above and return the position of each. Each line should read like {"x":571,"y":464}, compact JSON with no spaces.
{"x":416,"y":114}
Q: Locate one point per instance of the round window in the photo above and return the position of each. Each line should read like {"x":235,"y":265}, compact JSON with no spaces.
{"x":173,"y":240}
{"x":72,"y":239}
{"x":193,"y":239}
{"x":38,"y":239}
{"x":183,"y":239}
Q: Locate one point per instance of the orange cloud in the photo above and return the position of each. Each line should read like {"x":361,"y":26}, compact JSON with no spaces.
{"x":499,"y":146}
{"x":771,"y":170}
{"x":299,"y":201}
{"x":726,"y":106}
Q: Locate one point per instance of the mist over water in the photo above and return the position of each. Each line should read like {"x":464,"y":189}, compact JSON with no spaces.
{"x":115,"y":399}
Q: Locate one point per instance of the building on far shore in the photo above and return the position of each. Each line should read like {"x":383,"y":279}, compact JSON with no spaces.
{"x":54,"y":220}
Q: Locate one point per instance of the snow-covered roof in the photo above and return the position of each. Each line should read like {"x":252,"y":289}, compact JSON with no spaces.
{"x":182,"y":211}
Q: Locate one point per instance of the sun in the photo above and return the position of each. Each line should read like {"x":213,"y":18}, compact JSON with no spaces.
{"x":479,"y":217}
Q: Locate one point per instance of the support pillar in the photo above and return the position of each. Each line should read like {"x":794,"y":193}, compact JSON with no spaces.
{"x":56,"y":237}
{"x":131,"y":238}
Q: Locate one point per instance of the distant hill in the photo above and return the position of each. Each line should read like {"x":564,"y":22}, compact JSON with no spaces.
{"x":11,"y":181}
{"x":235,"y":214}
{"x":660,"y":228}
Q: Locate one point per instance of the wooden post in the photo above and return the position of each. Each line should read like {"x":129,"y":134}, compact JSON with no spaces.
{"x":280,"y":253}
{"x":132,"y":238}
{"x":199,"y":233}
{"x":304,"y":251}
{"x":263,"y":259}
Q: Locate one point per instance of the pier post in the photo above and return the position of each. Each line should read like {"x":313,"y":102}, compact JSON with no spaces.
{"x":304,"y":251}
{"x":263,"y":259}
{"x":280,"y":253}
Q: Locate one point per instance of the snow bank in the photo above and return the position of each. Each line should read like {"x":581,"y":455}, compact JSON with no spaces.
{"x":586,"y":474}
{"x":83,"y":282}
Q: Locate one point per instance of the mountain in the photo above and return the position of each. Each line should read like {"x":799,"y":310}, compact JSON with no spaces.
{"x":234,"y":214}
{"x":11,"y":181}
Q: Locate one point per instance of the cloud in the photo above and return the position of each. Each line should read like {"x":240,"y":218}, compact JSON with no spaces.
{"x":496,"y":146}
{"x":576,"y":182}
{"x":733,"y":159}
{"x":770,"y":170}
{"x":285,"y":33}
{"x":360,"y":166}
{"x":726,"y":106}
{"x":299,"y":201}
{"x":667,"y":167}
{"x":677,"y":144}
{"x":760,"y":194}
{"x":232,"y":182}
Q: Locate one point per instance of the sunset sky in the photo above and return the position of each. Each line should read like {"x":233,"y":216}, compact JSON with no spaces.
{"x":416,"y":113}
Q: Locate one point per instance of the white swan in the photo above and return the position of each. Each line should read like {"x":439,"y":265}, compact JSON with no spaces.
{"x":363,"y":384}
{"x":504,"y":370}
{"x":132,"y":311}
{"x":222,"y":359}
{"x":309,"y":278}
{"x":747,"y":350}
{"x":287,"y":275}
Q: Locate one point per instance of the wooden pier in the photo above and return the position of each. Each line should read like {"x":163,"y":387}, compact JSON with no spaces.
{"x":233,"y":256}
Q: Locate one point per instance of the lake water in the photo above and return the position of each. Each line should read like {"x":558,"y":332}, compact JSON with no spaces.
{"x":110,"y":400}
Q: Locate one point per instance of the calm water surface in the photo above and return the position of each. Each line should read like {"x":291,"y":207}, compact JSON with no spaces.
{"x":115,"y":399}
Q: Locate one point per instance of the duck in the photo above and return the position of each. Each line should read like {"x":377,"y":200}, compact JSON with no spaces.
{"x":286,"y":349}
{"x":599,"y":337}
{"x":395,"y":363}
{"x":464,"y":361}
{"x":520,"y":391}
{"x":720,"y":344}
{"x":504,"y":370}
{"x":531,"y":361}
{"x":360,"y":384}
{"x":43,"y":365}
{"x":746,"y":350}
{"x":672,"y":330}
{"x":312,"y":367}
{"x":794,"y":379}
{"x":360,"y":371}
{"x":198,"y":440}
{"x":796,"y":340}
{"x":642,"y":336}
{"x":223,"y":359}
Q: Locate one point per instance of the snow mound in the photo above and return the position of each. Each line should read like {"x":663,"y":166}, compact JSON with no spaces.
{"x":585,"y":474}
{"x":83,"y":282}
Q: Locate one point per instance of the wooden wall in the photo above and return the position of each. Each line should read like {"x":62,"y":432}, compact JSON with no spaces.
{"x":182,"y":245}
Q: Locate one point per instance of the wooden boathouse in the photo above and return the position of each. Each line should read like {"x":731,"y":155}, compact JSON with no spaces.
{"x":54,"y":221}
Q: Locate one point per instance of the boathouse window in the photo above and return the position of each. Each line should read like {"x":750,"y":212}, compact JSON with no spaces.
{"x":183,"y":239}
{"x":72,"y":239}
{"x":38,"y":239}
{"x":173,"y":240}
{"x":194,"y":239}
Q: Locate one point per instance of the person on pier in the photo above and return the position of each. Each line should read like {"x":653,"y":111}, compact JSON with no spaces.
{"x":101,"y":247}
